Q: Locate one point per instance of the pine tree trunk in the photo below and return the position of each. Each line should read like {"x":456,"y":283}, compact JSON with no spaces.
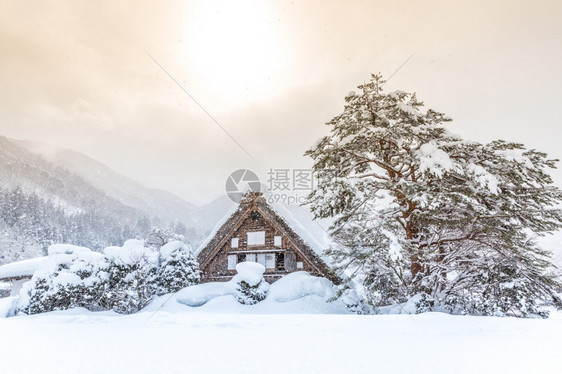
{"x":411,"y":235}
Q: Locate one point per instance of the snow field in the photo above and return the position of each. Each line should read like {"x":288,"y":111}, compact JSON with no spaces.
{"x":194,"y":342}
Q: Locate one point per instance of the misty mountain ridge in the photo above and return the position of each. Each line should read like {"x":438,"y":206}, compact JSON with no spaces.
{"x":99,"y":205}
{"x":34,"y":174}
{"x":152,"y":202}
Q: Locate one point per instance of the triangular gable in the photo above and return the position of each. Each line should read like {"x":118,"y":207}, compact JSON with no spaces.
{"x":255,"y":202}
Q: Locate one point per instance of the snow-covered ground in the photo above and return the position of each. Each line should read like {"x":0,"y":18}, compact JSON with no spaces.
{"x":297,"y":328}
{"x":310,"y":336}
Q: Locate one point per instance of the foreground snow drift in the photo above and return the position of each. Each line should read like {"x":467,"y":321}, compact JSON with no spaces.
{"x":163,"y":342}
{"x":295,"y":293}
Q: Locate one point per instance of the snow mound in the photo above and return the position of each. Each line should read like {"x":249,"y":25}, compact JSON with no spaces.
{"x":300,"y":284}
{"x":303,"y":291}
{"x":24,"y":268}
{"x":201,"y":294}
{"x":69,"y":255}
{"x":167,"y":249}
{"x":8,"y":306}
{"x":249,"y":272}
{"x":133,"y":251}
{"x":67,"y":249}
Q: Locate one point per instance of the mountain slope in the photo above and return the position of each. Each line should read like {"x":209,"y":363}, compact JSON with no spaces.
{"x":22,"y":168}
{"x":164,"y":205}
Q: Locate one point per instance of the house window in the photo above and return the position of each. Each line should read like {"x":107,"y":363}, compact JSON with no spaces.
{"x":241,"y":258}
{"x":277,"y":241}
{"x":261,"y":259}
{"x":256,"y":238}
{"x":234,"y":243}
{"x":270,"y":261}
{"x":232,"y":259}
{"x":300,"y":265}
{"x":251,"y":257}
{"x":280,"y":260}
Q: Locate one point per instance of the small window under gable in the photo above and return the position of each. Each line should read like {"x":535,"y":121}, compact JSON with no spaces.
{"x":232,"y":259}
{"x":234,"y":243}
{"x":256,"y":238}
{"x":277,"y":241}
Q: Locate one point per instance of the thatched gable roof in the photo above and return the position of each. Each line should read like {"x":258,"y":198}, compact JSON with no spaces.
{"x":279,"y":217}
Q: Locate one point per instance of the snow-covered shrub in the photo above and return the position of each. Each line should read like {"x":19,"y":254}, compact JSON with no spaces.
{"x":251,"y":287}
{"x":69,"y":279}
{"x":502,"y":291}
{"x":423,"y":303}
{"x":131,"y":273}
{"x":124,"y":279}
{"x":354,"y":302}
{"x":177,"y":269}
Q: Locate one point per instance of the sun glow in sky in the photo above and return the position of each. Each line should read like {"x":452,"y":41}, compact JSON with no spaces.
{"x":76,"y":74}
{"x":233,"y":49}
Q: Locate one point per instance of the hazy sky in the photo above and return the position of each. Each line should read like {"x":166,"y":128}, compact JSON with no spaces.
{"x":77,"y":74}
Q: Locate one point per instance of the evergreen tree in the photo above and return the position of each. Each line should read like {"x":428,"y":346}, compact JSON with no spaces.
{"x":131,"y":274}
{"x":178,"y":268}
{"x":420,"y":211}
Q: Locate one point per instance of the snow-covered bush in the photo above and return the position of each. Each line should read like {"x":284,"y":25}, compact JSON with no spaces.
{"x":502,"y":291}
{"x":69,"y":279}
{"x":123,"y":279}
{"x":177,"y":269}
{"x":353,"y":301}
{"x":251,"y":288}
{"x":131,"y":273}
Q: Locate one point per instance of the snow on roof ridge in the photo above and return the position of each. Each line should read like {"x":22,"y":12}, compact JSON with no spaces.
{"x":24,"y":268}
{"x":297,"y":225}
{"x":216,"y":228}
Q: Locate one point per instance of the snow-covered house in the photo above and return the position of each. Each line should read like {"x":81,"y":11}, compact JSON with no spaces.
{"x":17,"y":273}
{"x":267,"y":234}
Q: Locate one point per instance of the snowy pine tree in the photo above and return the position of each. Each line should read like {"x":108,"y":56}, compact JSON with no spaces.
{"x":178,"y":268}
{"x":420,"y":211}
{"x":131,"y":273}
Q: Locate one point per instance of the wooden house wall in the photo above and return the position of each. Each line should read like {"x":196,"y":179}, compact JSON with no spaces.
{"x":217,"y":268}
